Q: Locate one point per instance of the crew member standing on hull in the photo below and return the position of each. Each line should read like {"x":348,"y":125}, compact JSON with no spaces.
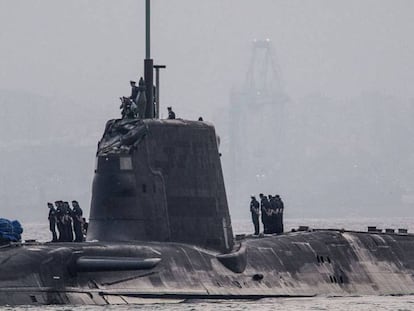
{"x":280,"y":207}
{"x":84,"y":227}
{"x":77,"y":221}
{"x":67,"y":222}
{"x":52,"y":221}
{"x":273,"y":217}
{"x":255,"y":210}
{"x":265,"y":209}
{"x":60,"y":221}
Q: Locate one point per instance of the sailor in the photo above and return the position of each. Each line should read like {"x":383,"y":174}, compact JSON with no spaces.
{"x":67,"y":222}
{"x":52,"y":221}
{"x":265,"y":210}
{"x":141,"y":100}
{"x":84,"y":227}
{"x":255,"y":210}
{"x":134,"y":91}
{"x":77,"y":221}
{"x":59,"y":221}
{"x":273,"y":215}
{"x":280,"y":207}
{"x":129,"y":108}
{"x":171,"y":114}
{"x":125,"y":106}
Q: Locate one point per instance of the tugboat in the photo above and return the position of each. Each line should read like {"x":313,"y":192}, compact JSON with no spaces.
{"x":160,"y":229}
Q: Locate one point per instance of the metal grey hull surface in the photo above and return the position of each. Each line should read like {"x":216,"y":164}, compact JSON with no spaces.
{"x":325,"y":262}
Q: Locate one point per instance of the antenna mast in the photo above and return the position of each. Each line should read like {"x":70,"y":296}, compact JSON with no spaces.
{"x":151,"y":111}
{"x":147,"y":29}
{"x":148,"y":65}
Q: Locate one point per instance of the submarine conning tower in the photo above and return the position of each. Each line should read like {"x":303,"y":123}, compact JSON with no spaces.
{"x":160,"y":180}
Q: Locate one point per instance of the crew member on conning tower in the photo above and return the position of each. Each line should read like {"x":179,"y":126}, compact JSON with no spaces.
{"x":129,"y":108}
{"x":141,"y":100}
{"x":171,"y":114}
{"x":134,"y":91}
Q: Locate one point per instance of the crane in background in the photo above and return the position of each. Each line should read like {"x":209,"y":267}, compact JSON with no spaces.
{"x":256,"y":126}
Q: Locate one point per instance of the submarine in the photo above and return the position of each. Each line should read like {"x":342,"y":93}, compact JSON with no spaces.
{"x":160,"y":229}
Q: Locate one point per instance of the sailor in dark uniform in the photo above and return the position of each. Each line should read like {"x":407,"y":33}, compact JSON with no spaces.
{"x":273,"y":218}
{"x":255,"y":210}
{"x":125,"y":107}
{"x":280,"y":208}
{"x":52,"y":221}
{"x":134,"y":91}
{"x":84,"y":227}
{"x":265,"y":210}
{"x":59,"y":221}
{"x":77,"y":221}
{"x":129,"y":108}
{"x":141,"y":100}
{"x":67,"y":222}
{"x":171,"y":114}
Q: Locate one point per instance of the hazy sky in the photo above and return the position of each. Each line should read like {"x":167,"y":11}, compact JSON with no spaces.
{"x":88,"y":50}
{"x":81,"y":54}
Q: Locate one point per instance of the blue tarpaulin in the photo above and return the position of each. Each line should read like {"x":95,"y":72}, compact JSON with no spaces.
{"x":10,"y":231}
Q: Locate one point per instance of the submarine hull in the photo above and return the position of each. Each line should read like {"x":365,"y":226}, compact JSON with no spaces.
{"x":300,"y":264}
